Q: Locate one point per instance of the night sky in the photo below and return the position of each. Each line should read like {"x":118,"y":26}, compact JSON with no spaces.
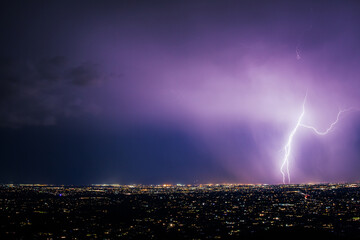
{"x":189,"y":92}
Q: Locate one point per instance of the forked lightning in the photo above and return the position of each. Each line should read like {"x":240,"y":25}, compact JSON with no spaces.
{"x":288,"y":145}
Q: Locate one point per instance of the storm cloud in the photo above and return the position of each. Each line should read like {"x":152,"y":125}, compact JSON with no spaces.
{"x":40,"y":92}
{"x":223,"y":81}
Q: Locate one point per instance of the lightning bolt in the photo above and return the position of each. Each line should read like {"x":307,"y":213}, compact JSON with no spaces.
{"x":287,"y":147}
{"x":332,"y":125}
{"x":298,"y":56}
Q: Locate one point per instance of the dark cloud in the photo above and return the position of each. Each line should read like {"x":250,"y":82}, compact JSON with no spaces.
{"x":52,"y":68}
{"x":8,"y":78}
{"x":39,"y":92}
{"x":85,"y":74}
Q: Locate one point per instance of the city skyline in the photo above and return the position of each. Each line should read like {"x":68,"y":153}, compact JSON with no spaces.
{"x":180,"y":212}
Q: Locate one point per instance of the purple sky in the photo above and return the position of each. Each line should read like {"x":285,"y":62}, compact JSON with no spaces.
{"x":178,"y":92}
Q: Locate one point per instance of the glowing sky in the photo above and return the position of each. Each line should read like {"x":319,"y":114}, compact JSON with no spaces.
{"x":178,"y":91}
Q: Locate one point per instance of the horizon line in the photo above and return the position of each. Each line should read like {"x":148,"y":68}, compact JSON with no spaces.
{"x":178,"y":184}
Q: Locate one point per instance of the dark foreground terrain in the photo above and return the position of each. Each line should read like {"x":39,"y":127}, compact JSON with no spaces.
{"x":330,"y":211}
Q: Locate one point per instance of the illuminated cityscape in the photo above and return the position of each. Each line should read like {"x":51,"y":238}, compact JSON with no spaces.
{"x":221,"y":211}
